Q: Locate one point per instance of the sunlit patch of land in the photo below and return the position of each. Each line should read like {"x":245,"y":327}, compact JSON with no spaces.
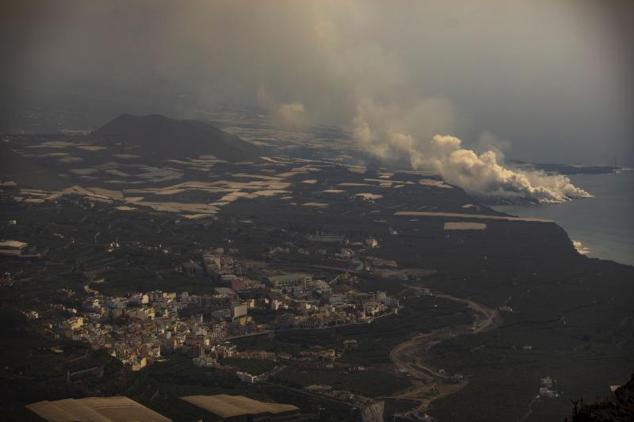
{"x":435,"y":183}
{"x":368,"y":196}
{"x":463,"y":225}
{"x":315,"y":204}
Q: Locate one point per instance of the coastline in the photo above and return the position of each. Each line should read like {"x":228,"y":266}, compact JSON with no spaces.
{"x":599,"y":227}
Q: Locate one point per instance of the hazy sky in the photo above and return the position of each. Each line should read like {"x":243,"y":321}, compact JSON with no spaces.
{"x":552,"y":79}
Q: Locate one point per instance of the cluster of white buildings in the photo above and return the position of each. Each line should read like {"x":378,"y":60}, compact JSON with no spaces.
{"x":139,"y":328}
{"x":316,"y":303}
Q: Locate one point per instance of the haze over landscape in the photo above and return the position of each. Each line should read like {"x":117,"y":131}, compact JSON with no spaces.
{"x":553,"y":79}
{"x":317,"y":210}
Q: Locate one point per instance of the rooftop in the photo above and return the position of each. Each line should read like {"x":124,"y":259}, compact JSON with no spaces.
{"x":13,"y":244}
{"x":95,"y":409}
{"x":227,"y":406}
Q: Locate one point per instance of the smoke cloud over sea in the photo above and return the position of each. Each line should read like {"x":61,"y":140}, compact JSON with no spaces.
{"x":483,"y":174}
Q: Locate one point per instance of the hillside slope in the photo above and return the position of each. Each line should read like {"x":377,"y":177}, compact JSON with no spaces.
{"x":161,"y":137}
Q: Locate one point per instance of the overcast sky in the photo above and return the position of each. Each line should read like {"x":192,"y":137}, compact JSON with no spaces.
{"x":547,"y":80}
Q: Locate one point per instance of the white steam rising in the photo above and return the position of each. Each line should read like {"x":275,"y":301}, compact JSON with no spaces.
{"x":484,"y":174}
{"x":289,"y":116}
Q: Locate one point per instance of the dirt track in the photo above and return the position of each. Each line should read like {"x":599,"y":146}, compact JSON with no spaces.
{"x":409,"y":356}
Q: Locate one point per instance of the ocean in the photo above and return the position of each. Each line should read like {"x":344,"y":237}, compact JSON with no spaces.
{"x":601,"y":226}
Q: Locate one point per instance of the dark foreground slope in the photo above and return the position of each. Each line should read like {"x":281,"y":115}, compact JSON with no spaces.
{"x":161,"y":137}
{"x":618,"y":408}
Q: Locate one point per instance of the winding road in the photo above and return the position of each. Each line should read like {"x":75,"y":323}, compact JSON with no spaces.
{"x":409,"y":357}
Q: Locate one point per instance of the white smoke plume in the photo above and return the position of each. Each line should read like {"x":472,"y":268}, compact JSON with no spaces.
{"x":482,"y":174}
{"x":291,"y":116}
{"x":288,"y":116}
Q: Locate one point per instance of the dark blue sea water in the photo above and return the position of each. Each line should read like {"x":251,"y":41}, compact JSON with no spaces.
{"x":603,"y":224}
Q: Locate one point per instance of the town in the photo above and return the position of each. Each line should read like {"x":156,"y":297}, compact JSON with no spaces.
{"x":140,"y":328}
